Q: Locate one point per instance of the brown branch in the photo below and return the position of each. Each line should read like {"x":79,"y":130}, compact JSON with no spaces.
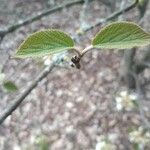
{"x":113,"y":16}
{"x":28,"y":90}
{"x":37,"y":17}
{"x":8,"y":111}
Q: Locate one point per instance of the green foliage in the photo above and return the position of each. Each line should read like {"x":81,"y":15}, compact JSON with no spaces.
{"x":44,"y":43}
{"x":42,"y":143}
{"x":6,"y":84}
{"x":136,"y":146}
{"x":121,"y":35}
{"x":118,"y":35}
{"x":10,"y":86}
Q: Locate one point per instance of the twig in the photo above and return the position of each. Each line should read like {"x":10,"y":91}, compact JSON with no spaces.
{"x":28,"y":90}
{"x":86,"y":50}
{"x":8,"y":111}
{"x":37,"y":17}
{"x":113,"y":16}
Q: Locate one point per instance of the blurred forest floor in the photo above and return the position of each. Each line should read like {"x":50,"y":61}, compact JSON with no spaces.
{"x":70,"y":109}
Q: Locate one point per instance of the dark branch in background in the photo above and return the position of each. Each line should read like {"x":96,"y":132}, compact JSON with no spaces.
{"x":130,"y":63}
{"x":133,"y":67}
{"x":12,"y":28}
{"x":37,"y":17}
{"x":19,"y":99}
{"x":113,"y":16}
{"x":46,"y":71}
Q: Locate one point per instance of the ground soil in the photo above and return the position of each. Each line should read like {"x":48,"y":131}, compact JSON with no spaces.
{"x":71,"y":107}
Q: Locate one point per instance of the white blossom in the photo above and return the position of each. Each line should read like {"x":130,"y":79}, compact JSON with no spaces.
{"x":106,"y":143}
{"x":139,"y":136}
{"x":125,"y":100}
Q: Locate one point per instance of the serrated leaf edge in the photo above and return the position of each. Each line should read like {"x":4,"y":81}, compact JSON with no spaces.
{"x":51,"y":29}
{"x":118,"y":22}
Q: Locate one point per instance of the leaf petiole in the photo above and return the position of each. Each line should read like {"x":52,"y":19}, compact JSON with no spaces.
{"x":86,"y":50}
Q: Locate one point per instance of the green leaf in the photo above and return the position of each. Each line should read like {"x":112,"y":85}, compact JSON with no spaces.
{"x":121,"y":35}
{"x":42,"y":143}
{"x":45,"y":43}
{"x":136,"y":146}
{"x":10,"y":86}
